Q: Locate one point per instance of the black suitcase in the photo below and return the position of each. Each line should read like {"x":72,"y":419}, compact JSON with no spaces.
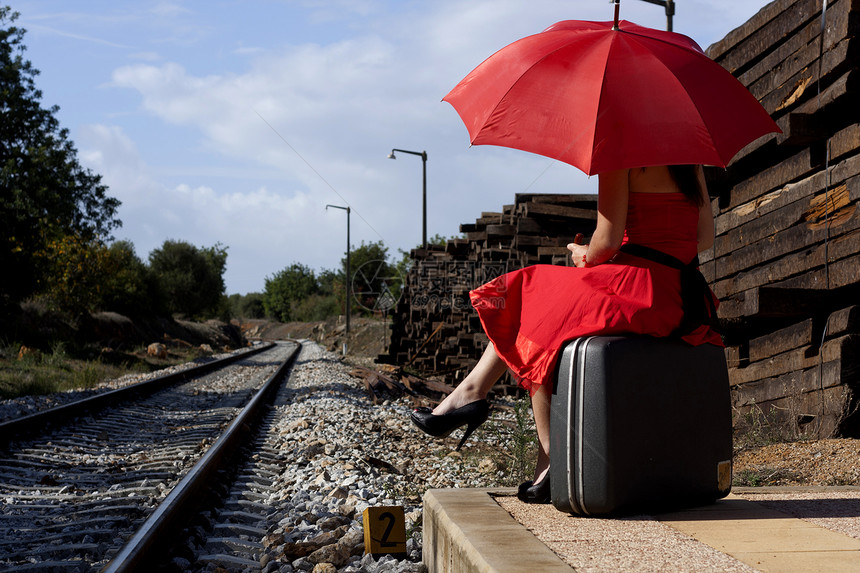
{"x":639,"y":423}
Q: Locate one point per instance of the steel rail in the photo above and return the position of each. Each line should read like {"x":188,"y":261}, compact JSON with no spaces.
{"x":33,"y":423}
{"x":155,"y":535}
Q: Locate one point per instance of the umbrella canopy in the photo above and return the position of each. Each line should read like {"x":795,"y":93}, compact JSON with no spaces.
{"x":601,"y":98}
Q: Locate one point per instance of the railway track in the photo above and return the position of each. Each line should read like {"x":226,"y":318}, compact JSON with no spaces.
{"x":106,"y":489}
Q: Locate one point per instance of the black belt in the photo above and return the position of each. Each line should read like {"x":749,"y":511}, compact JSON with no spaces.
{"x":696,"y":298}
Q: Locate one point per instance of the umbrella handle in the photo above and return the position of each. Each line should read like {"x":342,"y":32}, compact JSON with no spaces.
{"x":617,"y":10}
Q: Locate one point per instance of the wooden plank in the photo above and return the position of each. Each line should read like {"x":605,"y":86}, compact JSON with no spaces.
{"x":487,"y":218}
{"x":780,"y":341}
{"x":746,"y":52}
{"x":718,"y":50}
{"x":803,"y":86}
{"x":798,"y":359}
{"x":839,"y":273}
{"x":803,"y":49}
{"x":588,"y":201}
{"x":768,"y":223}
{"x":549,"y":227}
{"x":825,"y":375}
{"x":843,"y":216}
{"x":527,"y":241}
{"x":841,"y":22}
{"x":810,"y":414}
{"x":551,"y":251}
{"x":845,"y":141}
{"x":772,"y":302}
{"x":844,"y":88}
{"x":808,"y":65}
{"x":496,"y":231}
{"x":553,"y":210}
{"x":800,"y":129}
{"x":792,"y":169}
{"x":846,"y":320}
{"x":734,"y":359}
{"x":728,"y":222}
{"x":839,"y":253}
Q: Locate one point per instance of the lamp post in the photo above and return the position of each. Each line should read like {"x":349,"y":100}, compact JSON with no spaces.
{"x":423,"y":156}
{"x":670,"y":10}
{"x":347,"y":281}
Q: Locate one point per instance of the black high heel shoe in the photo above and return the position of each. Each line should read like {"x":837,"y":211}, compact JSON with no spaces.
{"x":471,"y":415}
{"x":531,"y":492}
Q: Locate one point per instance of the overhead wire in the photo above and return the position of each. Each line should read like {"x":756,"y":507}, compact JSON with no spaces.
{"x":318,"y":174}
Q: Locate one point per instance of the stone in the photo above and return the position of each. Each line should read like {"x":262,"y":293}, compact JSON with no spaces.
{"x":334,"y":522}
{"x":26,"y":351}
{"x":297,"y":550}
{"x":328,"y":537}
{"x":353,"y":540}
{"x":156,"y":350}
{"x":339,"y":493}
{"x":487,"y":466}
{"x":273,"y":539}
{"x":333,"y":554}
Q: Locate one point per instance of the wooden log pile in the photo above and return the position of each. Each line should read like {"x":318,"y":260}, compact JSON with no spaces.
{"x":435,"y":330}
{"x":786,"y":261}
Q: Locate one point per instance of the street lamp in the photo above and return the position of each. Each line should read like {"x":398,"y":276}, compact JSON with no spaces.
{"x":423,"y":155}
{"x":670,"y":10}
{"x":346,"y":336}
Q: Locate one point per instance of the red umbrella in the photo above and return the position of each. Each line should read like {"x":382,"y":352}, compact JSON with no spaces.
{"x":604,"y":97}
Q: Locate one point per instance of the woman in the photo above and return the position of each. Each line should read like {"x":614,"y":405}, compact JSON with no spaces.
{"x":530,"y":314}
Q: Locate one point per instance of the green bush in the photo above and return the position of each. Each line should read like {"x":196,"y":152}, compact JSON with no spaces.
{"x":129,"y":286}
{"x":316,"y":307}
{"x":287,"y":288}
{"x":190,"y":280}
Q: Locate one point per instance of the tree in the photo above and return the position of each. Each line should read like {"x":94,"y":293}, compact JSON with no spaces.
{"x":286,"y":288}
{"x":247,"y":306}
{"x":190,"y":280}
{"x":129,"y":286}
{"x":75,"y":274}
{"x":46,"y":197}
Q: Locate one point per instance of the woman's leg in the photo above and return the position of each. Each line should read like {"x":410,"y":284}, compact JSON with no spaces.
{"x":477,"y":384}
{"x":541,"y":409}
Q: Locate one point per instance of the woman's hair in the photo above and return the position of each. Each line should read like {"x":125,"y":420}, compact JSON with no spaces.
{"x":687,"y":179}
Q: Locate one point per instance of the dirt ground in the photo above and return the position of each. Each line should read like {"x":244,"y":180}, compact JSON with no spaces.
{"x":368,"y":337}
{"x":812,"y":462}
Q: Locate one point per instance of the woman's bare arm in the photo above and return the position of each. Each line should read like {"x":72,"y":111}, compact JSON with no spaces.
{"x":612,"y":198}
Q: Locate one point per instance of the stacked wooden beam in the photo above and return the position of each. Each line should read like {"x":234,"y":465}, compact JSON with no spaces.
{"x":434,"y":328}
{"x":786,"y":261}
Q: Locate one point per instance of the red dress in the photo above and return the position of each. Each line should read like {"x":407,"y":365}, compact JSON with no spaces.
{"x":531,"y":313}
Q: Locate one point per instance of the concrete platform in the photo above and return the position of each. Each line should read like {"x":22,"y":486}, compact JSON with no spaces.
{"x":489,"y":530}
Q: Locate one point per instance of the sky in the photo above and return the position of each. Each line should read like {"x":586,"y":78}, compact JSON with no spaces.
{"x":237,"y":122}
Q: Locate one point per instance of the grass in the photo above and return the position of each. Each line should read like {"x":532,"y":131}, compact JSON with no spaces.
{"x":755,"y":428}
{"x":62,"y":369}
{"x":515,"y":445}
{"x":762,"y":476}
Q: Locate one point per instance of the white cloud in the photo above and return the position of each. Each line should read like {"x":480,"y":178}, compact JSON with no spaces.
{"x":248,"y":151}
{"x":248,"y":222}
